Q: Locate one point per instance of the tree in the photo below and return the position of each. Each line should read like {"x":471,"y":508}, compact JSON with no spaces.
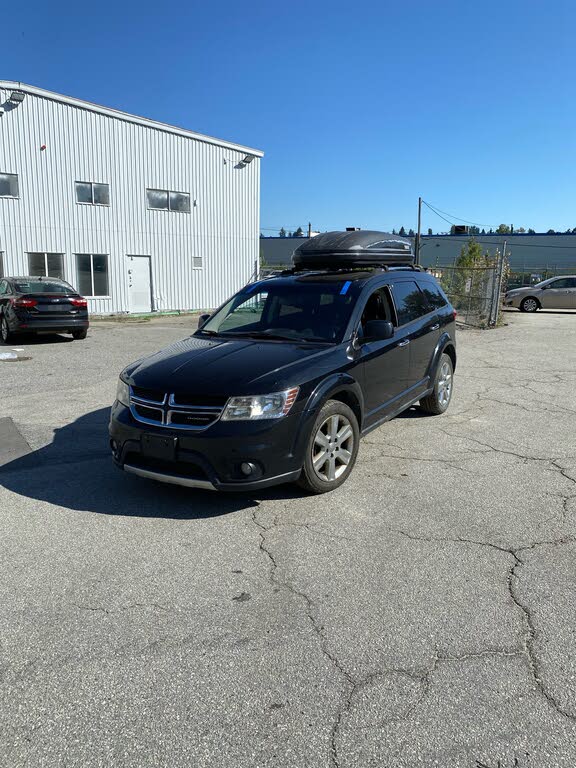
{"x":393,"y":231}
{"x":551,"y":232}
{"x":473,"y":230}
{"x":411,"y":233}
{"x":402,"y":232}
{"x":521,"y":230}
{"x":533,"y":231}
{"x":299,"y":232}
{"x":467,"y":283}
{"x":490,"y":231}
{"x":429,"y":230}
{"x":290,"y":234}
{"x":483,"y":231}
{"x":503,"y":229}
{"x":282,"y":233}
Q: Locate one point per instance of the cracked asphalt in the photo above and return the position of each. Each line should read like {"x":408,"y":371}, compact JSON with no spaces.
{"x":421,"y":615}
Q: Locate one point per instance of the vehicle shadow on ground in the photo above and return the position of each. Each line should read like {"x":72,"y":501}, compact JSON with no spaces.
{"x":75,"y":471}
{"x":34,"y":340}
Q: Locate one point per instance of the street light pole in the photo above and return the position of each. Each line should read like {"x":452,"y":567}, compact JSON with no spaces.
{"x":417,"y":245}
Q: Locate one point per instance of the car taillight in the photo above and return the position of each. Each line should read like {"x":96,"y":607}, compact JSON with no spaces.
{"x":24,"y":303}
{"x":454,"y":314}
{"x":79,"y":302}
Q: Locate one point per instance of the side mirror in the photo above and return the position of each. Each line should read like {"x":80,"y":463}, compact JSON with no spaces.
{"x":378,"y":330}
{"x":203,"y":319}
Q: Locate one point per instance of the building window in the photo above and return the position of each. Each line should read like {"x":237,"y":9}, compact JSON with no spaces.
{"x":164,"y":200}
{"x":1,"y":264}
{"x":92,"y":274}
{"x":197,"y":262}
{"x":46,"y":265}
{"x":92,"y":194}
{"x":8,"y":185}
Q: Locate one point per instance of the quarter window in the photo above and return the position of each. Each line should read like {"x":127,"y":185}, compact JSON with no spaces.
{"x":3,"y":287}
{"x":92,"y":274}
{"x":46,"y":265}
{"x":8,"y":185}
{"x":92,"y":193}
{"x":410,"y":301}
{"x":434,"y":295}
{"x":166,"y":200}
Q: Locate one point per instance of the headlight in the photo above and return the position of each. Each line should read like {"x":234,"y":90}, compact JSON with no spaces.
{"x":123,"y":393}
{"x":260,"y":406}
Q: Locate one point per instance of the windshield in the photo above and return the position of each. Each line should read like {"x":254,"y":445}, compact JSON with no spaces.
{"x":42,"y":286}
{"x":299,"y":311}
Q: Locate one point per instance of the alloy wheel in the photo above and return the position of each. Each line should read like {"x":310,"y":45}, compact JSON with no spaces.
{"x":445,"y":384}
{"x":4,"y":331}
{"x":332,"y":448}
{"x":530,"y":305}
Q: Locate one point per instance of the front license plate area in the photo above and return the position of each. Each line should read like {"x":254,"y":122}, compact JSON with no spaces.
{"x":159,"y":447}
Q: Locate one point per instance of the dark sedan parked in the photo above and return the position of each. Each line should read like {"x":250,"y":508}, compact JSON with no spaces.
{"x":41,"y":305}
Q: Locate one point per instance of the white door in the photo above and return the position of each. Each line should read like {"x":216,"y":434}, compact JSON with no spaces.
{"x":139,"y":287}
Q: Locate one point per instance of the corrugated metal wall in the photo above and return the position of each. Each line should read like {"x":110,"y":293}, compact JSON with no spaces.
{"x":222,"y":226}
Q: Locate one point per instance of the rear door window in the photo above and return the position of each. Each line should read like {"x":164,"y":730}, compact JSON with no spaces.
{"x":409,"y":300}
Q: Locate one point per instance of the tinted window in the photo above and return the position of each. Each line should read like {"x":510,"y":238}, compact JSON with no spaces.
{"x":433,"y":294}
{"x":46,"y":264}
{"x":410,"y":301}
{"x":377,"y":307}
{"x":90,"y":192}
{"x":306,"y":310}
{"x":42,"y":286}
{"x":565,"y":282}
{"x":3,"y":287}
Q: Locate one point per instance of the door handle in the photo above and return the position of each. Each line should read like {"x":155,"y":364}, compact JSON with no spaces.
{"x":434,"y":327}
{"x":404,"y":343}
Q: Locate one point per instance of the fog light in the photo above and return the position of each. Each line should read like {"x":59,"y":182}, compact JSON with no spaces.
{"x":247,"y":468}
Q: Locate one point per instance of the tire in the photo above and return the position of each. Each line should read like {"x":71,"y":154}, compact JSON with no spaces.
{"x":79,"y":335}
{"x":529,"y":304}
{"x":335,"y":438}
{"x":438,"y":401}
{"x":5,"y":332}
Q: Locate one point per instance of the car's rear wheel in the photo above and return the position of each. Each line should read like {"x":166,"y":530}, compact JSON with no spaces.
{"x":529,"y":304}
{"x":332,"y":448}
{"x":5,"y":332}
{"x":80,"y":334}
{"x":438,"y":401}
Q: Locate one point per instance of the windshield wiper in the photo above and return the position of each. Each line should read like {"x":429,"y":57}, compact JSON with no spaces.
{"x":259,"y":335}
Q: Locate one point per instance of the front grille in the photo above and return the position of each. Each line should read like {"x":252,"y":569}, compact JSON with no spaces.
{"x":163,"y":409}
{"x":182,"y":468}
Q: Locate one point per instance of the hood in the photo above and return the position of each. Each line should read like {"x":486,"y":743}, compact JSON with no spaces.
{"x":225,"y":367}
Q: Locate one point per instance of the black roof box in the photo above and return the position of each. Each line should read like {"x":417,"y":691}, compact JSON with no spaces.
{"x":353,"y":249}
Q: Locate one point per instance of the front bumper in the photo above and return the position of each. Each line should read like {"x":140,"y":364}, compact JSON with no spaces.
{"x":512,"y":301}
{"x":211,"y":459}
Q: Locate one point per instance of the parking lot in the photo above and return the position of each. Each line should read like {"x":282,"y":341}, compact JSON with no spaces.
{"x":420,"y":615}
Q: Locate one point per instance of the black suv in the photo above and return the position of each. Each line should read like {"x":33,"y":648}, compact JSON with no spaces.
{"x":281,"y":381}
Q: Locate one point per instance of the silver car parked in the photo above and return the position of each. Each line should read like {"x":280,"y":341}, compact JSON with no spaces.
{"x":555,"y":293}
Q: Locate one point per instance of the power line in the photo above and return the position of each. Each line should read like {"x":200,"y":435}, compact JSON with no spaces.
{"x":439,"y":211}
{"x":511,"y":244}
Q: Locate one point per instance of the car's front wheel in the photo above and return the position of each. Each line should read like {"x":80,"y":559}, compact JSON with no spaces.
{"x":439,"y":399}
{"x":332,"y":448}
{"x":5,"y":332}
{"x":529,"y":304}
{"x":79,"y":334}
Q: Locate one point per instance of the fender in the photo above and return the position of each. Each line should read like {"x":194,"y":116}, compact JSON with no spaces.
{"x":336,"y":383}
{"x":444,"y":341}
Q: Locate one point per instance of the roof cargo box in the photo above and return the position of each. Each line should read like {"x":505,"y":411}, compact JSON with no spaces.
{"x":334,"y":250}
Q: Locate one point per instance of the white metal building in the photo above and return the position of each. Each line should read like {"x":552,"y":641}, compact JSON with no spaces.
{"x":137,"y":215}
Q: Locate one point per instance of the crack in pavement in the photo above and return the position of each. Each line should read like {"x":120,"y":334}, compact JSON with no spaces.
{"x":107,"y":611}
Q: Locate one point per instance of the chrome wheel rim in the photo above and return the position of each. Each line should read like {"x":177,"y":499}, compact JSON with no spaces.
{"x":445,"y":384}
{"x":332,"y":448}
{"x":530,"y":305}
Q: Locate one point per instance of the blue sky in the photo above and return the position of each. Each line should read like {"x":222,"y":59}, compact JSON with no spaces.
{"x":359,"y":106}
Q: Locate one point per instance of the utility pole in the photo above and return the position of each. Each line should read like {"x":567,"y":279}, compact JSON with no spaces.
{"x":417,"y":245}
{"x":309,"y":230}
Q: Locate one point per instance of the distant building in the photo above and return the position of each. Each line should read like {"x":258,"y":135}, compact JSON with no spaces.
{"x":137,"y":215}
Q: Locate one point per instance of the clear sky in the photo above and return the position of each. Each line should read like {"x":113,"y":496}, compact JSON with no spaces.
{"x":359,"y":106}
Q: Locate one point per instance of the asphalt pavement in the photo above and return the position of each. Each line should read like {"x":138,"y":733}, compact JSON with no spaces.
{"x":421,"y":615}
